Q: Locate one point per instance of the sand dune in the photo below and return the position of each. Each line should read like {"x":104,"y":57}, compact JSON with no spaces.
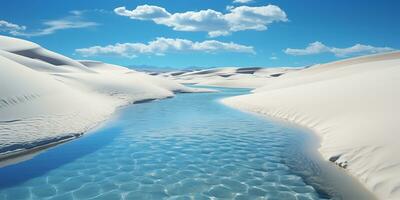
{"x":47,"y":97}
{"x":250,"y":77}
{"x":352,"y":105}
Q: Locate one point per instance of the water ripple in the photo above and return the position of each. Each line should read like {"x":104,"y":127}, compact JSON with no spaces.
{"x":189,"y":147}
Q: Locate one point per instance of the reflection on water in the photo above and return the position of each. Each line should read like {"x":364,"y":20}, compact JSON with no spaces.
{"x":188,"y":147}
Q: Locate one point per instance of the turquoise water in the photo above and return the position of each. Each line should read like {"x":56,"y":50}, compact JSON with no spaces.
{"x":187,"y":147}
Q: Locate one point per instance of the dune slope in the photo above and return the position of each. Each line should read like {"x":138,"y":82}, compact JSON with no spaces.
{"x":352,"y":105}
{"x":46,"y":97}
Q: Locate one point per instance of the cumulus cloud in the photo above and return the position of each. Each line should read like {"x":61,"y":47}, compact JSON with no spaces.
{"x":73,"y":21}
{"x":143,"y":12}
{"x":214,"y":22}
{"x":242,"y":1}
{"x":9,"y":27}
{"x":318,"y":48}
{"x":162,"y":46}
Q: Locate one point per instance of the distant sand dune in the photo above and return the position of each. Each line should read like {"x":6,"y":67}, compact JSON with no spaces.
{"x":246,"y":77}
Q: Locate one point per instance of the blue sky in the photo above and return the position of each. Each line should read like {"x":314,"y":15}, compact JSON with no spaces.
{"x":206,"y":33}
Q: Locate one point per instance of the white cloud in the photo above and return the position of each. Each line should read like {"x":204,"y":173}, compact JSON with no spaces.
{"x":359,"y":49}
{"x":162,"y":46}
{"x":56,"y":25}
{"x":312,"y":48}
{"x":242,"y":1}
{"x":273,"y":58}
{"x":254,"y":18}
{"x":214,"y":22}
{"x":51,"y":26}
{"x":318,"y":48}
{"x":9,"y":27}
{"x":143,"y":12}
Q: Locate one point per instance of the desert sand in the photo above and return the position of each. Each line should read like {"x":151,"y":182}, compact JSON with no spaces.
{"x":46,"y":97}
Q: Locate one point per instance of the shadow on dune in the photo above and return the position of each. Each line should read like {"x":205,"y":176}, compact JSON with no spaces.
{"x":247,"y":70}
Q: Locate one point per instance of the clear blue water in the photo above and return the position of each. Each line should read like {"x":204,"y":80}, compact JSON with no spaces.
{"x":187,"y":147}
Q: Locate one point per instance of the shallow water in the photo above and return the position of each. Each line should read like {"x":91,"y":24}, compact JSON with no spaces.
{"x":187,"y":147}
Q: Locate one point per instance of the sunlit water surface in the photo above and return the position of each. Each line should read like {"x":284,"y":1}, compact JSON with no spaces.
{"x":187,"y":147}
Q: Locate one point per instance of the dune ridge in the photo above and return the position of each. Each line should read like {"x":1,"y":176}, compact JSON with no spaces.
{"x":47,"y":97}
{"x":352,"y":105}
{"x":235,"y":77}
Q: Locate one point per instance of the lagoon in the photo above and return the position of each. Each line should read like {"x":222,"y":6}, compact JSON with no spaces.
{"x":186,"y":147}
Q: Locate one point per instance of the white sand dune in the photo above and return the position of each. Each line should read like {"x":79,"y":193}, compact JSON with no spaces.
{"x":46,"y":97}
{"x":235,"y":77}
{"x":352,"y":105}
